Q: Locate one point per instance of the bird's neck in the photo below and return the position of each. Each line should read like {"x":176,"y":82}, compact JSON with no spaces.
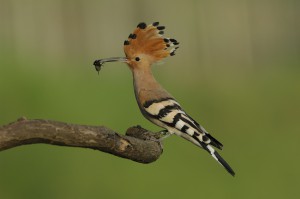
{"x":145,"y":85}
{"x":143,"y":79}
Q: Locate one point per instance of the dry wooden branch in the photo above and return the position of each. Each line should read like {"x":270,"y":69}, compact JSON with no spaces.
{"x":138,"y":144}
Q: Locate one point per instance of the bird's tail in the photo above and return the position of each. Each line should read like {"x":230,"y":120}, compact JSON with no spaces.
{"x":211,"y":151}
{"x":217,"y":157}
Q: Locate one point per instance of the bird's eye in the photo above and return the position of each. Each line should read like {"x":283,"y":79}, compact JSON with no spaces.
{"x":137,"y":59}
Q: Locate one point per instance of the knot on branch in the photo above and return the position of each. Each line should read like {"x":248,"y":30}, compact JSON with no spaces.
{"x":141,"y":133}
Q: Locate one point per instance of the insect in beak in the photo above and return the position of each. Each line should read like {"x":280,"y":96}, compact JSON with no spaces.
{"x":99,"y":62}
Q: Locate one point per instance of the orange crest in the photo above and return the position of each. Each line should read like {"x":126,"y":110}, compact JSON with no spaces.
{"x":149,"y":40}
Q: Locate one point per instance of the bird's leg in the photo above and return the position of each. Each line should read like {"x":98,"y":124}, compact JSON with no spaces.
{"x":164,"y":134}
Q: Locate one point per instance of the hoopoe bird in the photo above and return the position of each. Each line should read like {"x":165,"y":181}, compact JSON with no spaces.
{"x":145,"y":46}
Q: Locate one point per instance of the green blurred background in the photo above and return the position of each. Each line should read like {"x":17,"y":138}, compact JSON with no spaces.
{"x":237,"y":72}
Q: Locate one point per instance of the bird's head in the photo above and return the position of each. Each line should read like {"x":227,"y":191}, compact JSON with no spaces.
{"x":145,"y":46}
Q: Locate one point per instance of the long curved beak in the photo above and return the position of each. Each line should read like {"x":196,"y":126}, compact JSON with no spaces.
{"x":98,"y":63}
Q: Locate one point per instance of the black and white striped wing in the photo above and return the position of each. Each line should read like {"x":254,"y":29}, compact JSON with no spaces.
{"x":168,"y":114}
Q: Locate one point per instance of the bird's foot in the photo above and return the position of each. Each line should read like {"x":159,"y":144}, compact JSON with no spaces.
{"x":164,"y":134}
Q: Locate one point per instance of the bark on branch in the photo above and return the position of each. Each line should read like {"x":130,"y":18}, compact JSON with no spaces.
{"x":138,"y":144}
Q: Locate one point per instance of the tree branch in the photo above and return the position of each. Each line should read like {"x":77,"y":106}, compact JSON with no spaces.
{"x":138,"y":144}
